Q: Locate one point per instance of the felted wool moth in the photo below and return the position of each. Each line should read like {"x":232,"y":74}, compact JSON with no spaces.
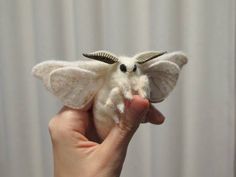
{"x":108,"y":80}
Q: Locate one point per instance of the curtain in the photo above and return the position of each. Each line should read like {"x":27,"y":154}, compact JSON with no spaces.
{"x":198,"y":136}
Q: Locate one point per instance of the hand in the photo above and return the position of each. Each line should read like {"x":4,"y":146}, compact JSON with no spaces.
{"x":77,"y":150}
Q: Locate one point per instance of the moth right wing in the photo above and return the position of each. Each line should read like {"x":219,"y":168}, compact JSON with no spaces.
{"x":74,"y":86}
{"x":163,"y":76}
{"x":163,"y":73}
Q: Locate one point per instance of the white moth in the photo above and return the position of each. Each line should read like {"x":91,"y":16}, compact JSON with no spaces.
{"x":110,"y":80}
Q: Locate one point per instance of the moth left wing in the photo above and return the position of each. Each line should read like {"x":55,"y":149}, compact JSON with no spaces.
{"x":163,"y":73}
{"x":43,"y":70}
{"x":74,"y":86}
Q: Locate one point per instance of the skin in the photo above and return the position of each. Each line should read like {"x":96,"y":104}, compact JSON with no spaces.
{"x":77,"y":149}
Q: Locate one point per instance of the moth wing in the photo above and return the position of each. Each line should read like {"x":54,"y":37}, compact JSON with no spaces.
{"x":43,"y":70}
{"x":178,"y":58}
{"x":75,"y":87}
{"x":163,"y":73}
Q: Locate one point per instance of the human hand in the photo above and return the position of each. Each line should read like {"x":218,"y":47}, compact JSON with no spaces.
{"x":77,"y":150}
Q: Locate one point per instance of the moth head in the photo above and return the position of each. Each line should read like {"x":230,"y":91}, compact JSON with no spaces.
{"x":127,"y":65}
{"x":147,"y":56}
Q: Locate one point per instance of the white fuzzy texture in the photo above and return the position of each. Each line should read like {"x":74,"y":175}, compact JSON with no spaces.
{"x":78,"y":84}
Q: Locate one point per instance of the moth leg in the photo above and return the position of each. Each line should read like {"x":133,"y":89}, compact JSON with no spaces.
{"x":115,"y":100}
{"x":126,"y":90}
{"x":143,"y":87}
{"x":116,"y":118}
{"x":121,"y":107}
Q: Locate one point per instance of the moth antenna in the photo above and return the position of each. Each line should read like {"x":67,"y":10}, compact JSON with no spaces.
{"x":104,"y":56}
{"x":147,"y":56}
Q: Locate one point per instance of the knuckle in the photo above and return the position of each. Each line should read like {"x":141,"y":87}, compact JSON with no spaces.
{"x":52,"y":125}
{"x":72,"y":114}
{"x":56,"y":130}
{"x":69,"y":113}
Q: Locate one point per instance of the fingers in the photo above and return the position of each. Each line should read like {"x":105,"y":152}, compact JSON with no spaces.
{"x":122,"y":133}
{"x":154,"y":116}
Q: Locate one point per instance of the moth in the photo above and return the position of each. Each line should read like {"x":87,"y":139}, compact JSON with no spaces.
{"x":108,"y":80}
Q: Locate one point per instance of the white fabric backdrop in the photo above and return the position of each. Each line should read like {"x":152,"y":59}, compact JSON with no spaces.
{"x":198,"y":136}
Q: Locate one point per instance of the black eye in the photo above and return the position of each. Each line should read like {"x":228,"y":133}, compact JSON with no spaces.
{"x":123,"y":68}
{"x":135,"y":68}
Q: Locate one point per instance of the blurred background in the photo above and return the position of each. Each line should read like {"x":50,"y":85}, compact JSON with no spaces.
{"x":198,"y":136}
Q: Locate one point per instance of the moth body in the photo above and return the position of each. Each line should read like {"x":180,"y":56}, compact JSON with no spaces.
{"x":124,"y":81}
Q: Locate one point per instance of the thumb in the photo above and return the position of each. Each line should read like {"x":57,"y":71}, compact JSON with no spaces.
{"x":120,"y":135}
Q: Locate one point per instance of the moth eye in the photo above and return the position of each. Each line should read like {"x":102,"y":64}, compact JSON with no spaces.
{"x":123,"y":68}
{"x":135,"y":68}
